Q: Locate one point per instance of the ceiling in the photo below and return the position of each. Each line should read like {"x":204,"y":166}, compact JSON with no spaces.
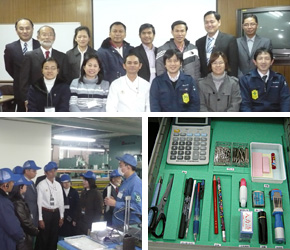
{"x":100,"y":128}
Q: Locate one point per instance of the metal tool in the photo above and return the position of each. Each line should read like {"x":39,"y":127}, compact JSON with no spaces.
{"x":154,"y":200}
{"x":160,"y":210}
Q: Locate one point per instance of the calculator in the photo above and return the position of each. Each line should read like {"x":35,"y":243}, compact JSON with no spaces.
{"x":189,"y":142}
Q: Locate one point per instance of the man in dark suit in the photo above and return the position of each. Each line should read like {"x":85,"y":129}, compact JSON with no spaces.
{"x":146,"y":52}
{"x":216,"y":41}
{"x":31,"y":68}
{"x":30,"y":197}
{"x":14,"y":55}
{"x":249,"y":43}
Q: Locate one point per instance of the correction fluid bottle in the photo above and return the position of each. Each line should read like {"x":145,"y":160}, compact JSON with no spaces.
{"x":243,"y":192}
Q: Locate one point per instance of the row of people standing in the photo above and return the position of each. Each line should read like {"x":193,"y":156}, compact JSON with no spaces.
{"x":112,"y":51}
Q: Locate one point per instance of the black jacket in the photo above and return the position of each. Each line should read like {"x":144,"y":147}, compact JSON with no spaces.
{"x":39,"y":98}
{"x":23,"y":214}
{"x":108,"y":215}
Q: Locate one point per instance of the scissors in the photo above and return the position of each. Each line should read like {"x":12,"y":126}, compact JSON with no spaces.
{"x":154,"y":200}
{"x":160,"y":208}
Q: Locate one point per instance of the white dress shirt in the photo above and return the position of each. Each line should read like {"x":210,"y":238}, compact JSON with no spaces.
{"x":127,"y":96}
{"x":45,"y":190}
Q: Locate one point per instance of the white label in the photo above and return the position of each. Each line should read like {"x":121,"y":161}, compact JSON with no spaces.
{"x":187,"y":243}
{"x":184,"y":172}
{"x":244,"y":246}
{"x":243,"y":209}
{"x":258,"y":210}
{"x":230,"y":169}
{"x":263,"y":246}
{"x":217,"y":244}
{"x":279,"y":247}
{"x":266,"y":185}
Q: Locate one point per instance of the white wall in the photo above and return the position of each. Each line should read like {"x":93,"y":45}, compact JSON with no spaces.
{"x":161,"y":14}
{"x":22,"y":141}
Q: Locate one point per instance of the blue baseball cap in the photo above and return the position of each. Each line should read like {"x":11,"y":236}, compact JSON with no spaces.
{"x":89,"y":175}
{"x":129,"y":159}
{"x":7,"y":175}
{"x":114,"y":174}
{"x":30,"y":165}
{"x":65,"y":178}
{"x":18,"y":170}
{"x":22,"y":181}
{"x":49,"y":166}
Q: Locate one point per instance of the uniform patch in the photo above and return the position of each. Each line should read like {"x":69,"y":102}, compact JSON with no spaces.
{"x":137,"y":198}
{"x":185,"y":98}
{"x":255,"y":95}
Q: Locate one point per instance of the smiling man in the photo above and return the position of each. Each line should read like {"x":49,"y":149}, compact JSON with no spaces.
{"x":129,"y":93}
{"x":146,"y":52}
{"x":113,"y":50}
{"x":262,"y":89}
{"x":249,"y":43}
{"x":174,"y":91}
{"x":191,"y":64}
{"x":216,"y":41}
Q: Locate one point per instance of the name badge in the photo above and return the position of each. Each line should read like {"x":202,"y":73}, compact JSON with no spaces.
{"x":185,"y":98}
{"x":51,"y":201}
{"x":255,"y":94}
{"x":120,"y":195}
{"x":66,"y":206}
{"x":49,"y":109}
{"x":92,"y":104}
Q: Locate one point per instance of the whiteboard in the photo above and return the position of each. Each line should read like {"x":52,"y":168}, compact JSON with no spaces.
{"x":161,"y":14}
{"x":63,"y":39}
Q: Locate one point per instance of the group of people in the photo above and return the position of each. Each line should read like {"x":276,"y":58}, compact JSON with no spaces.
{"x":36,"y":216}
{"x":219,"y":73}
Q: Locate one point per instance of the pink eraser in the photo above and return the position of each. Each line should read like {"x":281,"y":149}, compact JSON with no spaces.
{"x":266,"y":164}
{"x":257,"y":167}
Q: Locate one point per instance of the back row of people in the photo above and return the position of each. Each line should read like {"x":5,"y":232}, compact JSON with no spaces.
{"x":239,"y":52}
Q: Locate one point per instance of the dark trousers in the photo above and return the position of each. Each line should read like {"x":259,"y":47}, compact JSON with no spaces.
{"x":48,"y":237}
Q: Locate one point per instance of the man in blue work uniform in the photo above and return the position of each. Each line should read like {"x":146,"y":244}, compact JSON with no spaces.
{"x":131,"y":186}
{"x":11,"y":232}
{"x":263,"y":89}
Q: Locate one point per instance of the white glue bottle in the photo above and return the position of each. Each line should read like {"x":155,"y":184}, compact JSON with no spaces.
{"x":243,"y":192}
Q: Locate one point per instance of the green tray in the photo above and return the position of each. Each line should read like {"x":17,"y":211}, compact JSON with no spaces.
{"x":242,"y":130}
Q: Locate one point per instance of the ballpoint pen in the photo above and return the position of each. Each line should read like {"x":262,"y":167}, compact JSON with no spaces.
{"x":196,"y":214}
{"x":221,"y":209}
{"x":190,"y":207}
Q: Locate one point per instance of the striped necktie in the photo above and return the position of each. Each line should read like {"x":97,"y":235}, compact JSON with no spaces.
{"x":24,"y":50}
{"x":209,"y":47}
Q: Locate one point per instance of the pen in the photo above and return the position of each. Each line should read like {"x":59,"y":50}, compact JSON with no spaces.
{"x":190,"y":207}
{"x":201,"y":190}
{"x":216,"y":230}
{"x":196,"y":214}
{"x":221,"y":209}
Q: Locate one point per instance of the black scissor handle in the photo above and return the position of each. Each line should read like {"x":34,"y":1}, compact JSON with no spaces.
{"x":153,"y":212}
{"x":162,"y":218}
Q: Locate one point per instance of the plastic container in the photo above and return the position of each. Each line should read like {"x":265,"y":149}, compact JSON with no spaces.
{"x":240,"y":155}
{"x":223,"y":154}
{"x":279,"y":174}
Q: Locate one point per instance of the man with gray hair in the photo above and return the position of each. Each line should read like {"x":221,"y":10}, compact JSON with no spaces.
{"x":31,"y":68}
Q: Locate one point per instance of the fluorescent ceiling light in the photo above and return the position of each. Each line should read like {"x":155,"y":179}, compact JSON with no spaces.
{"x":83,"y":149}
{"x":73,"y":138}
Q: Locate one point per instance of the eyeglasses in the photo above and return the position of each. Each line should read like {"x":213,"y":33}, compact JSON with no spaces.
{"x":217,"y":63}
{"x":249,"y":25}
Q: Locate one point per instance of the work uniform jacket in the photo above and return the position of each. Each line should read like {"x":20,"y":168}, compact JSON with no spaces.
{"x":260,"y":97}
{"x":226,"y":99}
{"x":11,"y":232}
{"x":190,"y":64}
{"x":112,"y":61}
{"x":131,"y":186}
{"x":165,"y":98}
{"x":23,"y":213}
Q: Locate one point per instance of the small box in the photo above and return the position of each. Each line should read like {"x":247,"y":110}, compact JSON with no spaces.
{"x":246,"y":226}
{"x":277,"y":175}
{"x":240,"y":157}
{"x":258,"y":199}
{"x":223,"y":154}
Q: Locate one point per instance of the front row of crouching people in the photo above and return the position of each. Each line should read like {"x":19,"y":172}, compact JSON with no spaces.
{"x":173,"y":91}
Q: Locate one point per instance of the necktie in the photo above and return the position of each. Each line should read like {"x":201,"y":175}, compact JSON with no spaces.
{"x":24,"y":48}
{"x":47,"y":54}
{"x":250,"y":45}
{"x":117,"y":190}
{"x":264,"y":79}
{"x":209,"y":48}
